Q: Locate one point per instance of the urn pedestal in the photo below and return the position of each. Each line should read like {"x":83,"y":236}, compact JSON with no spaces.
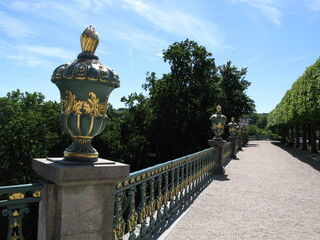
{"x":218,"y":120}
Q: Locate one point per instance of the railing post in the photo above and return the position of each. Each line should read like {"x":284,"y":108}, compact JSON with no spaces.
{"x":239,"y":137}
{"x":79,"y":189}
{"x":233,"y":131}
{"x":218,"y":120}
{"x":77,"y":200}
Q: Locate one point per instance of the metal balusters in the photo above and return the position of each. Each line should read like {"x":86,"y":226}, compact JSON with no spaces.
{"x":15,"y":200}
{"x":132,"y":220}
{"x":160,"y":198}
{"x":160,"y":191}
{"x":119,"y":223}
{"x":152,"y":203}
{"x":166,"y":193}
{"x":172,"y":190}
{"x":143,"y":209}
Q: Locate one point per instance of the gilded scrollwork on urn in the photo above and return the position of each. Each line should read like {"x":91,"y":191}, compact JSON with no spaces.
{"x":91,"y":106}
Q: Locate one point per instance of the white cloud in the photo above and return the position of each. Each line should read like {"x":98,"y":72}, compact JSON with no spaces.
{"x":13,"y":27}
{"x":172,"y":20}
{"x":302,"y":57}
{"x":55,"y":52}
{"x":313,"y":5}
{"x":267,"y":7}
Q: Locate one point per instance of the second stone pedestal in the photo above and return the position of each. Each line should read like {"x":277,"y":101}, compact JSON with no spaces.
{"x":218,"y":144}
{"x":77,"y":198}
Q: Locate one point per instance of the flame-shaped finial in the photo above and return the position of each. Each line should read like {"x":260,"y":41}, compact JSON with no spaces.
{"x":89,"y":39}
{"x":219,"y":108}
{"x":232,"y":119}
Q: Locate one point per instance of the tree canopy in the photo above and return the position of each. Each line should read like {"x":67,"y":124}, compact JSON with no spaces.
{"x":300,"y":104}
{"x":180,"y":103}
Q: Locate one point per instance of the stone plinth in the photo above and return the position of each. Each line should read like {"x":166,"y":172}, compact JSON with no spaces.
{"x":78,"y":198}
{"x":218,"y":144}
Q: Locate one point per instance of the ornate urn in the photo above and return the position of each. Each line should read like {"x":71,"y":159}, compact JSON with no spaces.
{"x":232,"y":128}
{"x":218,"y":120}
{"x":85,"y":85}
{"x":239,"y":130}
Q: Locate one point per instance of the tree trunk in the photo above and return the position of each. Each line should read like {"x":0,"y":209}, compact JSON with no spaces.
{"x":318,"y":138}
{"x":283,"y":135}
{"x":304,"y":137}
{"x":309,"y":134}
{"x":297,"y":136}
{"x":313,"y":138}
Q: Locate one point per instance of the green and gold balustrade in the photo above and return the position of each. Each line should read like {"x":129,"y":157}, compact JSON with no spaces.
{"x":146,"y":198}
{"x":18,"y":202}
{"x":143,"y":202}
{"x":227,"y":153}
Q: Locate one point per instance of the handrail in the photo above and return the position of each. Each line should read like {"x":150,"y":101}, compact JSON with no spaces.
{"x":146,"y":198}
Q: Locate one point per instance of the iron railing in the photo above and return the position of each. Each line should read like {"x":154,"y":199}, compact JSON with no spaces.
{"x":146,"y":198}
{"x":237,"y":146}
{"x":15,"y":202}
{"x":227,"y":153}
{"x":259,"y":137}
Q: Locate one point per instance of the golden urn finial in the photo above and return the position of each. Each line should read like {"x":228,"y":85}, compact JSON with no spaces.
{"x":232,"y":119}
{"x":219,"y":108}
{"x":89,"y":39}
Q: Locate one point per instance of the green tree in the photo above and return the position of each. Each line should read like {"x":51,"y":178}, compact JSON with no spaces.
{"x":176,"y":114}
{"x":183,"y":100}
{"x":233,"y":85}
{"x":29,"y":129}
{"x":262,"y":122}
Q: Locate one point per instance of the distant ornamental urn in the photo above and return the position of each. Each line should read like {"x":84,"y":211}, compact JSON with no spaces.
{"x":239,"y":130}
{"x":218,"y":120}
{"x":232,"y":128}
{"x":85,"y":85}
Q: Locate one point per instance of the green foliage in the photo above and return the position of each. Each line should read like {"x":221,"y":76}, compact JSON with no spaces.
{"x":233,"y":85}
{"x":174,"y":119}
{"x":300,"y":104}
{"x":29,"y":129}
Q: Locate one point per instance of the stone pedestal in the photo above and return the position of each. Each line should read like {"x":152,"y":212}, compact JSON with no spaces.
{"x":233,"y":151}
{"x":218,"y":144}
{"x":78,"y":198}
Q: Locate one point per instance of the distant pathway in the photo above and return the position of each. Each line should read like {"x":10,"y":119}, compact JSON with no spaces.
{"x":267,"y":194}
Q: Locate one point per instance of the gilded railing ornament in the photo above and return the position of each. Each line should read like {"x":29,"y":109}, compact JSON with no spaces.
{"x":218,"y":120}
{"x":16,"y":196}
{"x":85,"y":85}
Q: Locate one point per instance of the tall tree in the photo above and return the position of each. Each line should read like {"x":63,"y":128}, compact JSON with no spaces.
{"x":182,"y":100}
{"x":233,"y":85}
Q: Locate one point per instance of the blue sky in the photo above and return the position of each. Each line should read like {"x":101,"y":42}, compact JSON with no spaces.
{"x":275,"y":39}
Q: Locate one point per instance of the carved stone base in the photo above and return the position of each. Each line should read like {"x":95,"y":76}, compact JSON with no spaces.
{"x":77,"y":200}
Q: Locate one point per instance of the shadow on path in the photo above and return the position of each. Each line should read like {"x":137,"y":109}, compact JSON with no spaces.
{"x":312,"y":159}
{"x":221,"y":177}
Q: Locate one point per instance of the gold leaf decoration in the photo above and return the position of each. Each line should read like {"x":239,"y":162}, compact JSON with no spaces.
{"x":91,"y":106}
{"x":16,"y":196}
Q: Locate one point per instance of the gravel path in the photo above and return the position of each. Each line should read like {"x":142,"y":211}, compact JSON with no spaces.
{"x":269,"y":193}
